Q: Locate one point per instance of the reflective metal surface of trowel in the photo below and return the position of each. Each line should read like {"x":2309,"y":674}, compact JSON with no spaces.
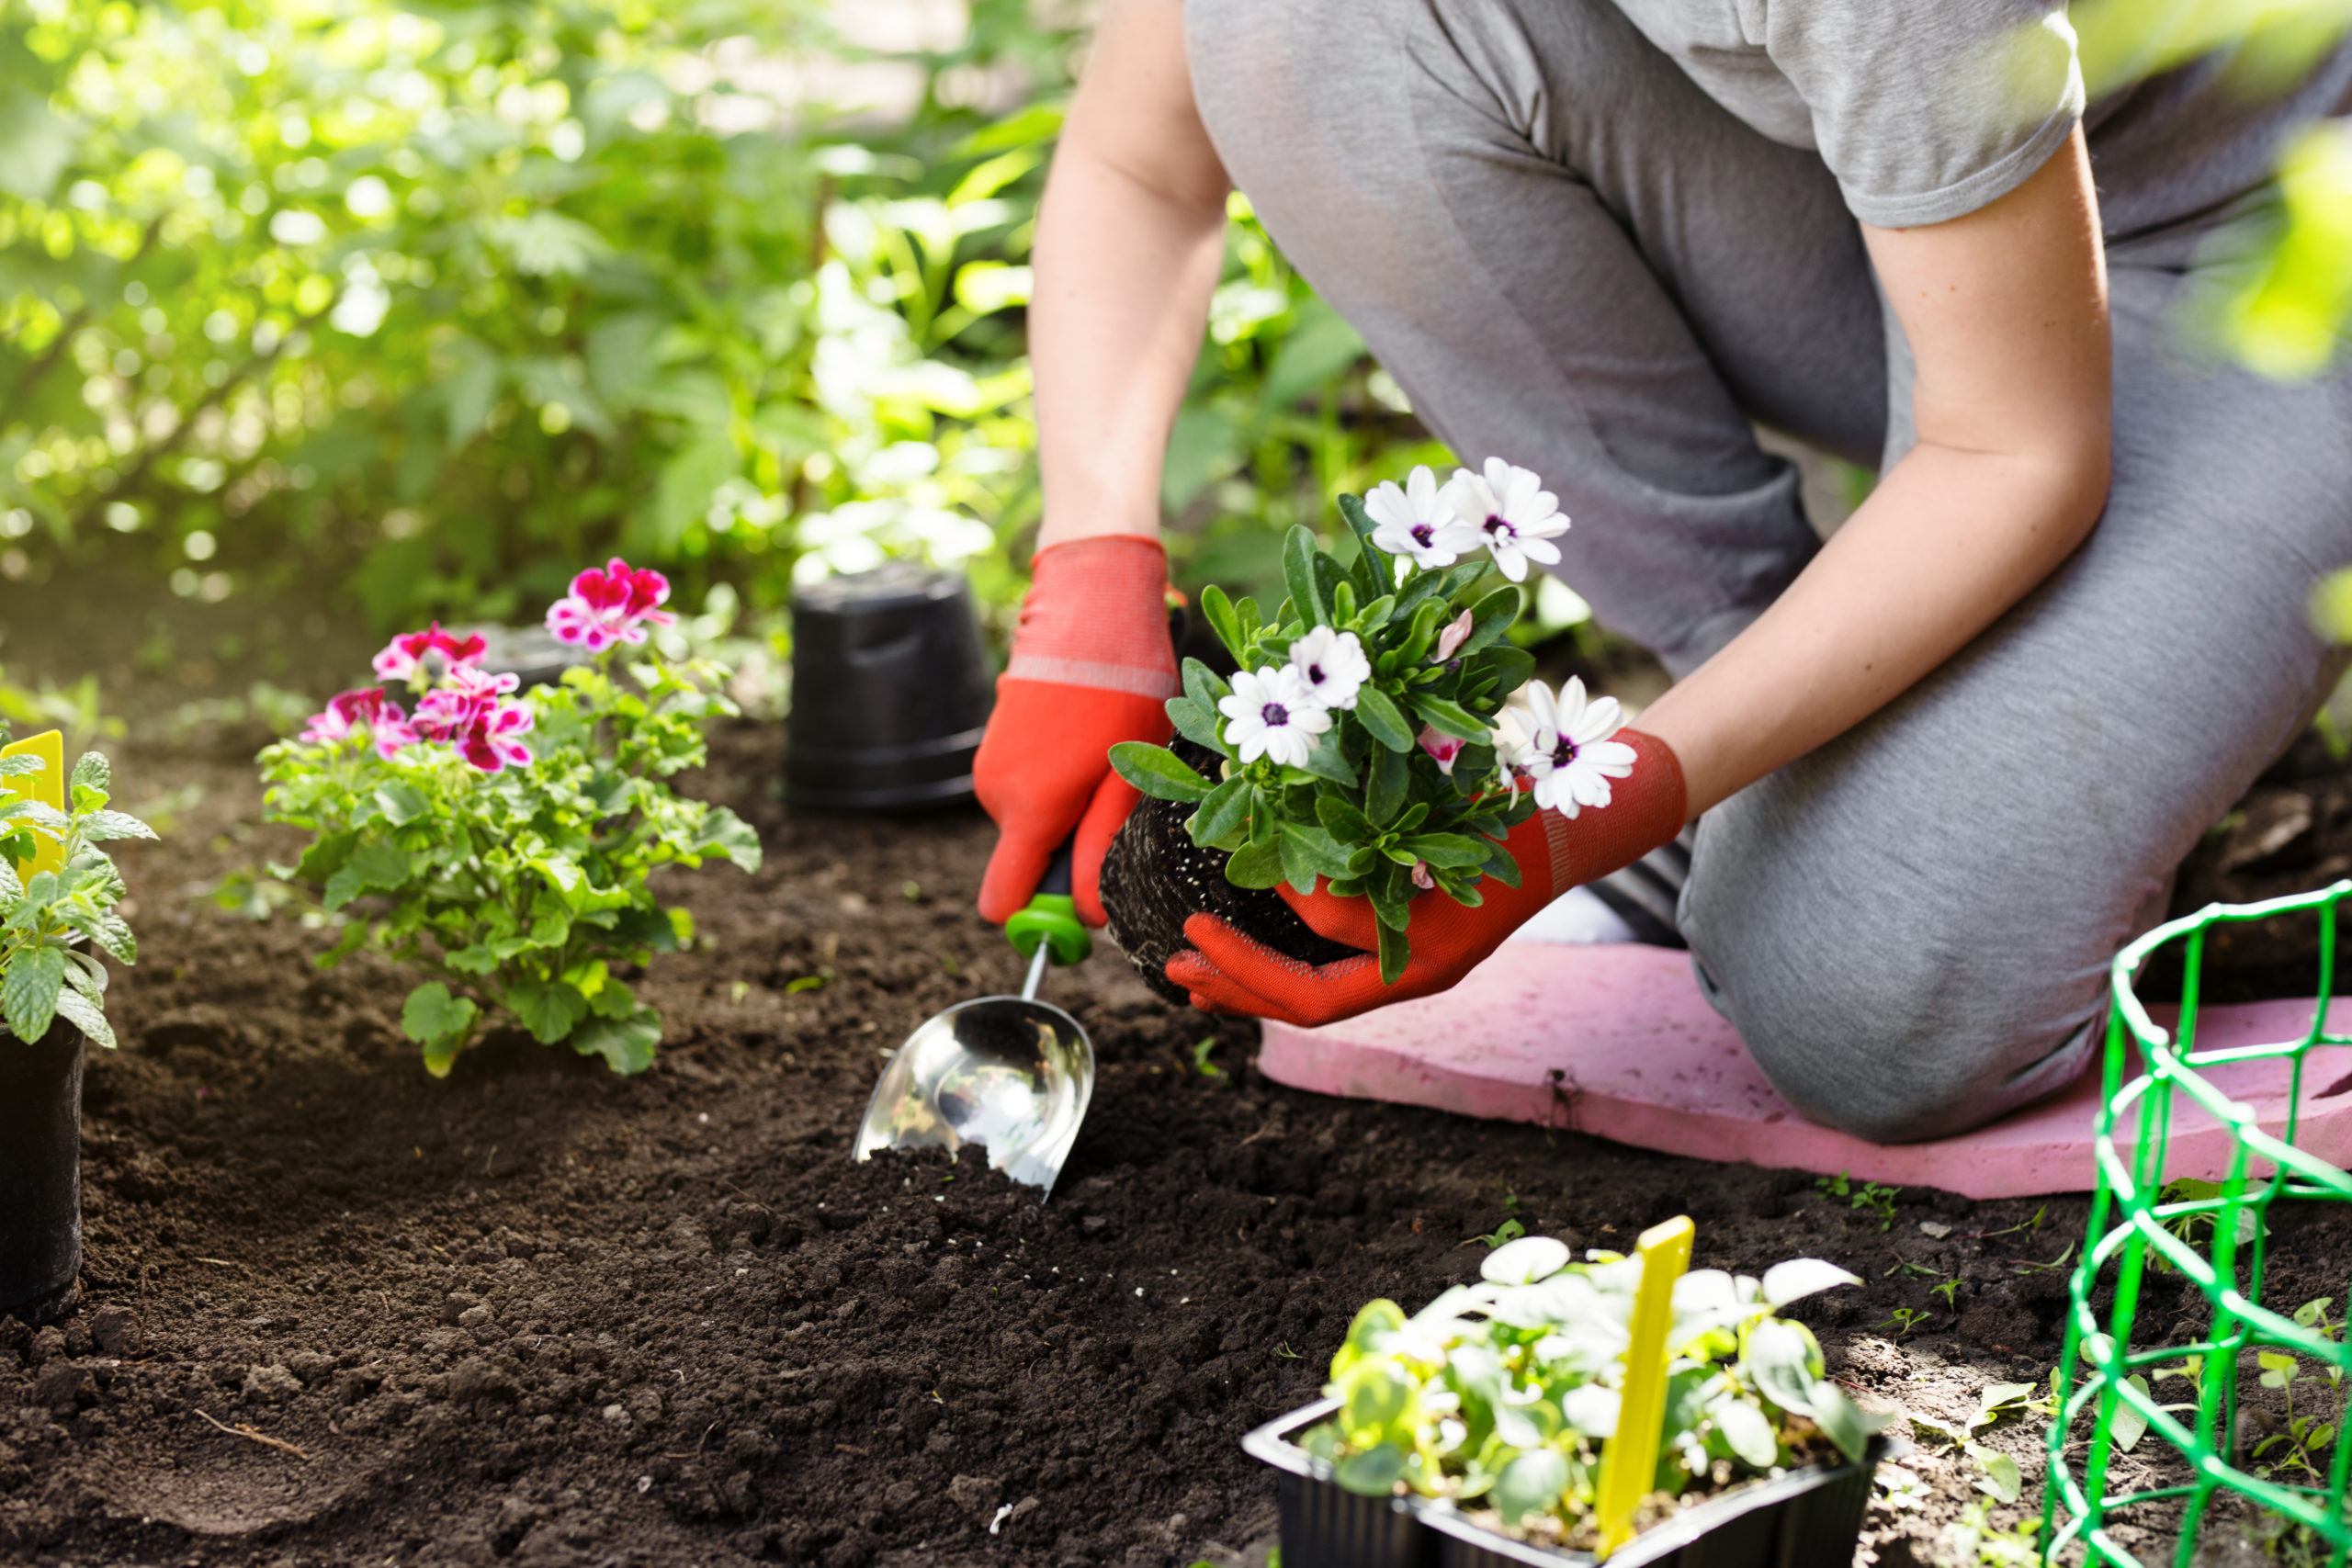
{"x":1012,"y":1074}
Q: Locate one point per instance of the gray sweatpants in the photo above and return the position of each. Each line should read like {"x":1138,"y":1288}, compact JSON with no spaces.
{"x":1571,"y":257}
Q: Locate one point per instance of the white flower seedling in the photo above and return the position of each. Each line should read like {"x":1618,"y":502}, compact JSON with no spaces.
{"x":1366,"y":749}
{"x":1499,"y":1395}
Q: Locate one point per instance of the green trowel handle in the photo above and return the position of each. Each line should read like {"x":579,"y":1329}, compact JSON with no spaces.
{"x":1052,"y":917}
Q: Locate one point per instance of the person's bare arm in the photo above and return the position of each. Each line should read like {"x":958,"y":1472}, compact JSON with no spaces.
{"x":2005,"y":311}
{"x":1130,"y":238}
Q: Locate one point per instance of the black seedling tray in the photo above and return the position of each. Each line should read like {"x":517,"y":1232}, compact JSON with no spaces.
{"x":1808,"y":1519}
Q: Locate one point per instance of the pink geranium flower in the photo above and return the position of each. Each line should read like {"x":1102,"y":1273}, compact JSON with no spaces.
{"x":610,"y":604}
{"x":366,"y":711}
{"x":408,"y":653}
{"x":475,"y":717}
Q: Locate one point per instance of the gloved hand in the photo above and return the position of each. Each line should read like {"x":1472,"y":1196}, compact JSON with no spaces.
{"x":1227,"y":972}
{"x":1092,"y":666}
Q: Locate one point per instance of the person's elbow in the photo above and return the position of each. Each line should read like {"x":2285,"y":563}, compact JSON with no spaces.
{"x":2080,"y":467}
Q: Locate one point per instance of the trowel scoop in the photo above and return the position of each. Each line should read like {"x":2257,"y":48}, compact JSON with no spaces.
{"x":1012,"y":1074}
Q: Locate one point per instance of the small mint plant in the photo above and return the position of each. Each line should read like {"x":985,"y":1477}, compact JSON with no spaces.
{"x":504,"y":844}
{"x":1502,"y":1395}
{"x":50,"y":920}
{"x":1378,"y":730}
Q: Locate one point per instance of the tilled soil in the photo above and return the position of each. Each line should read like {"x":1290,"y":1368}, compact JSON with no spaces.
{"x":336,"y":1312}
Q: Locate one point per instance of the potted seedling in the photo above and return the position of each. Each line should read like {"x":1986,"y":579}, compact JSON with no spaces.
{"x":1480,"y":1430}
{"x":503,"y":844}
{"x":58,"y":898}
{"x":1378,"y":733}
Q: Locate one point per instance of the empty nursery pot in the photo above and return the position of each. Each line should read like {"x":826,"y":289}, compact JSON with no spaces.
{"x":1154,"y":878}
{"x":890,"y":690}
{"x":41,"y":1174}
{"x":532,"y":654}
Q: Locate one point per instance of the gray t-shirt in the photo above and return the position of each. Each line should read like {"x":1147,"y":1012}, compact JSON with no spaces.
{"x":1926,"y":111}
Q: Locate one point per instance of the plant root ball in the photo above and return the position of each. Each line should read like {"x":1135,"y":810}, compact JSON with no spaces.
{"x":1155,"y":877}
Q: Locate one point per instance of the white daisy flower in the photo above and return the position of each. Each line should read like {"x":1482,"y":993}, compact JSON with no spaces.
{"x":1516,"y":517}
{"x":1513,"y":731}
{"x":1272,"y":714}
{"x":1333,"y":665}
{"x":1417,"y":521}
{"x":1569,"y":756}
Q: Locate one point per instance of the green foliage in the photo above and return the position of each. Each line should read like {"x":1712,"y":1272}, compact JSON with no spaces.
{"x":1371,"y":810}
{"x":287,"y":288}
{"x":51,"y":920}
{"x":521,"y":891}
{"x":1869,"y":1200}
{"x":1501,"y":1395}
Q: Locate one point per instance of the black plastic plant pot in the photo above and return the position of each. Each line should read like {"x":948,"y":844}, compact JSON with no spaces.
{"x":1154,"y":878}
{"x":532,"y":654}
{"x":41,"y":1174}
{"x":1808,"y":1519}
{"x":890,"y":690}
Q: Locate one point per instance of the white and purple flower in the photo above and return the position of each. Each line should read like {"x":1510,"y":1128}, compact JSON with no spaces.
{"x":1568,"y":754}
{"x":1516,"y":518}
{"x":1273,"y":713}
{"x":1418,"y":521}
{"x":1332,"y":664}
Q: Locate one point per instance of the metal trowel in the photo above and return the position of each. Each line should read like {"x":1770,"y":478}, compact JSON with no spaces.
{"x":1012,"y":1074}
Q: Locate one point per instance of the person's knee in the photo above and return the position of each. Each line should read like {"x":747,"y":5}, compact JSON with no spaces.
{"x":1863,"y":1054}
{"x":1895,"y":1021}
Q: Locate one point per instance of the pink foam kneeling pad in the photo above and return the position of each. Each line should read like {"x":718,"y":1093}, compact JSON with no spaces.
{"x":1616,"y":1041}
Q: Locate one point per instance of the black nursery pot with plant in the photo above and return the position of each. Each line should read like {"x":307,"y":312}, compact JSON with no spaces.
{"x":889,"y":691}
{"x":1154,"y":878}
{"x":1808,"y":1519}
{"x":41,"y":1174}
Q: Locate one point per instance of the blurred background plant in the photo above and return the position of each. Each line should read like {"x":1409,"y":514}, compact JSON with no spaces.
{"x":396,"y":310}
{"x":330,"y":315}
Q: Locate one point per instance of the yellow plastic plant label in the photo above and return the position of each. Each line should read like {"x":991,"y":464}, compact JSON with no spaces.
{"x":1629,"y":1462}
{"x":47,"y":786}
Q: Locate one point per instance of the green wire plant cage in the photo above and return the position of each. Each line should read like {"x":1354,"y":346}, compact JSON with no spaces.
{"x":2167,"y":1409}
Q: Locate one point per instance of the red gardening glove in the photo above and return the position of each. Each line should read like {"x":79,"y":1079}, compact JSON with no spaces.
{"x":1090,"y":667}
{"x":1229,"y":973}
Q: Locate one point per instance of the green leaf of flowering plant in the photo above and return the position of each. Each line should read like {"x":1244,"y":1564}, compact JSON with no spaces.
{"x":1224,"y":813}
{"x":1381,"y":720}
{"x":440,"y":1022}
{"x":1218,"y":611}
{"x":1157,"y":772}
{"x":550,"y":1009}
{"x":1448,"y":718}
{"x":628,"y":1044}
{"x":28,"y":991}
{"x":1196,"y":724}
{"x":1376,"y":568}
{"x":1530,"y":1483}
{"x":1299,"y":555}
{"x":1256,"y":865}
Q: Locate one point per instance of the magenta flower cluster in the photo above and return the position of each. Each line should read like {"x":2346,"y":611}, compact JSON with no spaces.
{"x":610,"y":605}
{"x":459,"y":704}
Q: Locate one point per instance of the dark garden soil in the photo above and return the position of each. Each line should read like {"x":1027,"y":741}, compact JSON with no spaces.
{"x":336,"y":1312}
